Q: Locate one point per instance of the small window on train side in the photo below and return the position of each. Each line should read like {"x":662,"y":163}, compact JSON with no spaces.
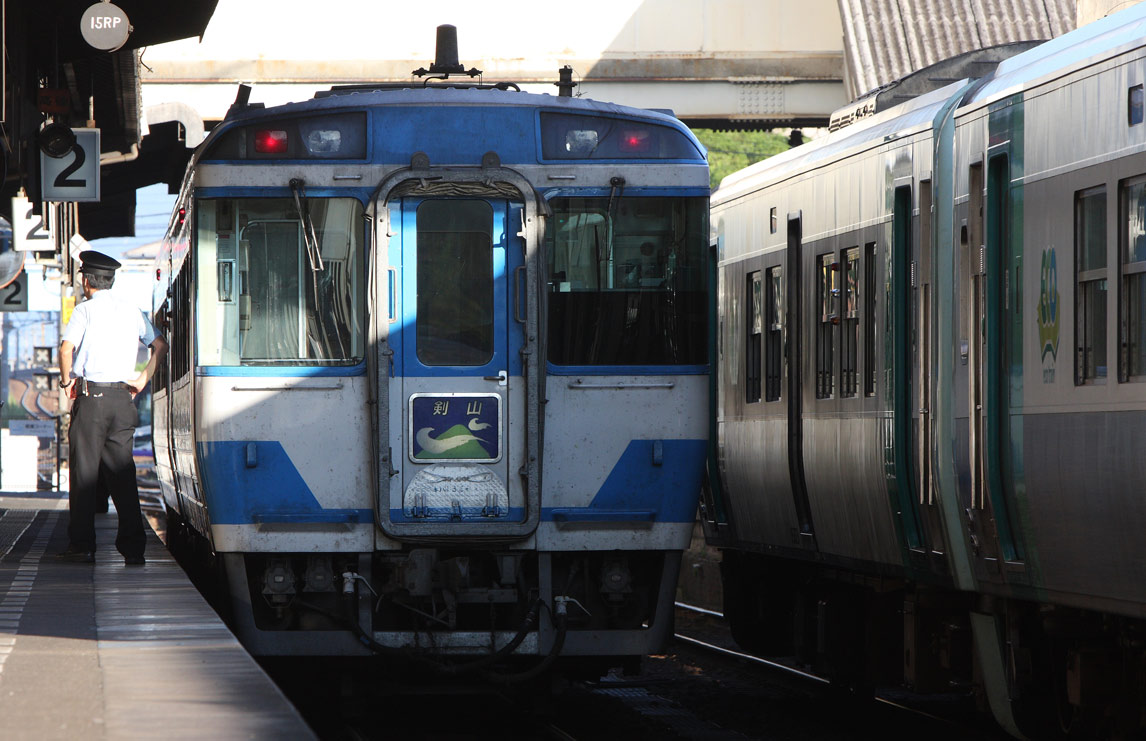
{"x":774,"y":332}
{"x":573,"y":137}
{"x":849,"y":334}
{"x":828,"y":298}
{"x":1090,"y":286}
{"x":1132,"y":301}
{"x":754,"y":311}
{"x":868,"y":319}
{"x":772,"y":220}
{"x":1134,"y":105}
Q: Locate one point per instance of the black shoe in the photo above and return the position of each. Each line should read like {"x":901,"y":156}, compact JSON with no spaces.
{"x":75,"y":555}
{"x":134,"y":560}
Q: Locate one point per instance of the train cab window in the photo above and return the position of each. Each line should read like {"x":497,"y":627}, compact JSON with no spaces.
{"x":828,"y":299}
{"x":628,"y":281}
{"x":1134,"y":106}
{"x":455,"y":283}
{"x":271,"y":294}
{"x":849,"y":334}
{"x":1091,"y":288}
{"x":774,"y":329}
{"x":754,"y":311}
{"x":1132,"y":303}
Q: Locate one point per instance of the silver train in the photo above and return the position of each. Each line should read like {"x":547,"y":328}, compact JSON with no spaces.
{"x":932,"y":355}
{"x":439,"y":373}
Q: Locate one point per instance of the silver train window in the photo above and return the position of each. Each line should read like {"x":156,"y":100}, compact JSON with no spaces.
{"x":280,"y":281}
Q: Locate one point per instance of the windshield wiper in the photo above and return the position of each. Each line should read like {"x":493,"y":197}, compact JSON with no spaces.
{"x":298,"y":188}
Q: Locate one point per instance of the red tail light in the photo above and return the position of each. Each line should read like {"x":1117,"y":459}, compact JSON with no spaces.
{"x":271,"y":141}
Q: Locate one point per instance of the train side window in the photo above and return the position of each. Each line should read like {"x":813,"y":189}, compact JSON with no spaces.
{"x":849,"y":335}
{"x":1091,"y":288}
{"x":869,"y":319}
{"x":1132,"y":302}
{"x":755,"y":324}
{"x":772,"y":220}
{"x":774,"y":332}
{"x":1134,"y":106}
{"x":828,"y":297}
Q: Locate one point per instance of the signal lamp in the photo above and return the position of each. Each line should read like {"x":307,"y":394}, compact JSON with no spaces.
{"x":56,"y":140}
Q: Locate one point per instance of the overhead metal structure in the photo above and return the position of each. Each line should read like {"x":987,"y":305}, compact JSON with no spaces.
{"x":52,"y":75}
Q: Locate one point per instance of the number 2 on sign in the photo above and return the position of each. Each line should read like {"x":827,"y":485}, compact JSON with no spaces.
{"x":37,"y":230}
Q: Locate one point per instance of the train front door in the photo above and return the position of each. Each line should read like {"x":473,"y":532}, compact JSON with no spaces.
{"x":457,"y":378}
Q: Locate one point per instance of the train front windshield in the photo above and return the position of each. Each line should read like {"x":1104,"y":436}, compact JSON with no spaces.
{"x":628,"y":281}
{"x":268,"y":293}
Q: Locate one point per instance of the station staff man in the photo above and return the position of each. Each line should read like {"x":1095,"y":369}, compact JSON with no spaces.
{"x":104,"y":333}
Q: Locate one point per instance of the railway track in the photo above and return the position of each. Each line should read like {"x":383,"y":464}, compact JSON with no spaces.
{"x":947,"y":717}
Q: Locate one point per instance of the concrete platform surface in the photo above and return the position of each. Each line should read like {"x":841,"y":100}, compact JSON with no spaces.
{"x":107,"y":651}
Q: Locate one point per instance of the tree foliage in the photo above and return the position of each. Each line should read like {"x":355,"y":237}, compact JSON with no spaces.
{"x":729,"y":151}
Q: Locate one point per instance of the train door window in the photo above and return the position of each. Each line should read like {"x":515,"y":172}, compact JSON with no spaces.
{"x":1132,"y":304}
{"x":455,"y":283}
{"x":828,"y":297}
{"x":1134,"y":106}
{"x":868,"y":319}
{"x":280,"y":282}
{"x":774,"y":332}
{"x":849,"y":334}
{"x":628,"y":281}
{"x":755,"y":326}
{"x":1091,"y":288}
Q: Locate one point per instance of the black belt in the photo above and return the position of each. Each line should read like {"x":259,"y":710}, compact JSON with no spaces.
{"x":116,"y":385}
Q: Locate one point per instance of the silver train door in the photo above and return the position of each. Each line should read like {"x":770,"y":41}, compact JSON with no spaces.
{"x":457,"y":396}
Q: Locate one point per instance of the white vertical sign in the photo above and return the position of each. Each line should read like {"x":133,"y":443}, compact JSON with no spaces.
{"x":31,"y":232}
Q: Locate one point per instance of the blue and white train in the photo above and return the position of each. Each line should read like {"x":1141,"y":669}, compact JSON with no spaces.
{"x":439,"y":371}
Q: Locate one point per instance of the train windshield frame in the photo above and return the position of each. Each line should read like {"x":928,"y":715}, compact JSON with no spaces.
{"x":628,"y":281}
{"x":269,"y":294}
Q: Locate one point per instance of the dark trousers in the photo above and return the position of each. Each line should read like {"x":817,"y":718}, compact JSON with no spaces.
{"x":102,"y":430}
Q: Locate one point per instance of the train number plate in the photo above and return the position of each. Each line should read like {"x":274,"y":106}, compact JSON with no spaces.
{"x":455,"y":427}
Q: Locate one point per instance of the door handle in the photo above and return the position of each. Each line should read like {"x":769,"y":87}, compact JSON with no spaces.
{"x":517,"y":294}
{"x":392,"y":303}
{"x":502,"y":378}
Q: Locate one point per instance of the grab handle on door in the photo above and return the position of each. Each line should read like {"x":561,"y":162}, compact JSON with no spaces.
{"x":392,"y":279}
{"x":502,"y":378}
{"x":517,"y":294}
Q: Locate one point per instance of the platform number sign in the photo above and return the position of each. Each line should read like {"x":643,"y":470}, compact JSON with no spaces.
{"x":31,"y":232}
{"x":14,"y":296}
{"x":75,"y":176}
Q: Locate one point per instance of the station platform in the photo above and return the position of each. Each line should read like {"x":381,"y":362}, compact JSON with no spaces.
{"x":107,"y":651}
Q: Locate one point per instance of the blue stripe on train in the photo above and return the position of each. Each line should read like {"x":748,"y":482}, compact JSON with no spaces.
{"x":270,"y":491}
{"x":654,"y":481}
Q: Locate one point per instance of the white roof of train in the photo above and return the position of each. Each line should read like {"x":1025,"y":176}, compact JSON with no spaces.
{"x":883,"y":126}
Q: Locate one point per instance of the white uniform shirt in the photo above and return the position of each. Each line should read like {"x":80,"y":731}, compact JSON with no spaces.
{"x":106,"y":331}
